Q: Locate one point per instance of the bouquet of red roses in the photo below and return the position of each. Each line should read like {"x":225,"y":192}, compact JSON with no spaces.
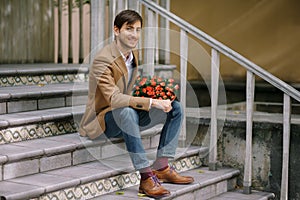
{"x":156,"y":88}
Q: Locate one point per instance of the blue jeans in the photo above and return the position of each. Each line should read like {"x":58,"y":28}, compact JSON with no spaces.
{"x":128,"y":122}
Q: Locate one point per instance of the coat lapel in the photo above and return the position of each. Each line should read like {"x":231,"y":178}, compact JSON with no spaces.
{"x":121,"y":65}
{"x":118,"y":59}
{"x":134,"y":73}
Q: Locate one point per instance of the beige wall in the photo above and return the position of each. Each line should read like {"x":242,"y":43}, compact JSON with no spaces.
{"x":25,"y":31}
{"x":75,"y":33}
{"x":265,"y":31}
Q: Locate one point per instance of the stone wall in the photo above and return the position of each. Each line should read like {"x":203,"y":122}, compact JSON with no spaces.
{"x":267,"y":152}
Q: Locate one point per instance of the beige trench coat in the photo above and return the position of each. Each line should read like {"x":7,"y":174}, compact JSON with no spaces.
{"x":108,"y":90}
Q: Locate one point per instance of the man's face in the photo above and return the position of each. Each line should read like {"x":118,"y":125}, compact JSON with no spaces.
{"x":128,"y":36}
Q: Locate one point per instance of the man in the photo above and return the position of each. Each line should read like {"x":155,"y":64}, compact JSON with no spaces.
{"x":112,"y":110}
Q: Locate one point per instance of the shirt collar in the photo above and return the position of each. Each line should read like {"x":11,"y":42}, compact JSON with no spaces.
{"x":129,"y":59}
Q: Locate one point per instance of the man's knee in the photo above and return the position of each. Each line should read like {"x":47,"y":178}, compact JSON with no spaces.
{"x":128,"y":113}
{"x":177,"y":108}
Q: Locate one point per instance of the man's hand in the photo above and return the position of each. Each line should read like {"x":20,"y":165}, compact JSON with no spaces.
{"x":164,"y":105}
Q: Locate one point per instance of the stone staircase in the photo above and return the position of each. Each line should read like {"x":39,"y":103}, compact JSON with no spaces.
{"x":219,"y":185}
{"x":43,"y":157}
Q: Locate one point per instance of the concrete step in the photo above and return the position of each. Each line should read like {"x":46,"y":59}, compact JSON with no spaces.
{"x":23,"y":126}
{"x":15,"y":99}
{"x":44,"y":154}
{"x":131,"y":193}
{"x":41,"y":73}
{"x":51,"y":73}
{"x":16,"y":127}
{"x":85,"y":181}
{"x":31,"y":86}
{"x":207,"y":184}
{"x":238,"y":195}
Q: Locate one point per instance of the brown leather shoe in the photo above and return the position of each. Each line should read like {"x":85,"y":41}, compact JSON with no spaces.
{"x":169,"y":175}
{"x":153,"y":188}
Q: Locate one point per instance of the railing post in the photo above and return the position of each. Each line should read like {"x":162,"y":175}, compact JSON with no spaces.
{"x":112,"y":14}
{"x":134,"y":5}
{"x":156,"y":36}
{"x":286,"y":146}
{"x":215,"y":65}
{"x":60,"y":46}
{"x":70,"y":48}
{"x":115,"y":7}
{"x":183,"y":79}
{"x":121,"y":5}
{"x":149,"y":47}
{"x":80,"y":31}
{"x":97,"y":25}
{"x":165,"y":36}
{"x":249,"y":109}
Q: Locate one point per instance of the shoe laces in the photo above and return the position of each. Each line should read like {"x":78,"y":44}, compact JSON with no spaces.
{"x":156,"y":180}
{"x":172,"y":169}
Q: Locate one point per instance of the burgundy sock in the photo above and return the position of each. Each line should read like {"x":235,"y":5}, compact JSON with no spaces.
{"x":146,"y":173}
{"x":161,"y":163}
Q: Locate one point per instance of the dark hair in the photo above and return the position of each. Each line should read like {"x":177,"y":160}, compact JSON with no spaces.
{"x":127,"y":16}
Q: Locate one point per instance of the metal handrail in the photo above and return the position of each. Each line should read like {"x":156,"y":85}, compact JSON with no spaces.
{"x":252,"y":69}
{"x":259,"y":71}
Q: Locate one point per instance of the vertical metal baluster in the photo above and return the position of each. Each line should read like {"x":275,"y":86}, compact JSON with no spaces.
{"x":139,"y":8}
{"x":97,"y":26}
{"x":70,"y":48}
{"x":183,"y":80}
{"x":215,"y":65}
{"x":80,"y":31}
{"x":286,"y":147}
{"x":249,"y":122}
{"x":165,"y":36}
{"x":121,"y":5}
{"x":156,"y":60}
{"x":134,"y":5}
{"x":94,"y":27}
{"x":59,"y":57}
{"x":112,"y":15}
{"x":149,"y":47}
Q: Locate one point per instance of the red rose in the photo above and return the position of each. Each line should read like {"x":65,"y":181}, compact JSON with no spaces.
{"x":153,"y":83}
{"x":155,"y":87}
